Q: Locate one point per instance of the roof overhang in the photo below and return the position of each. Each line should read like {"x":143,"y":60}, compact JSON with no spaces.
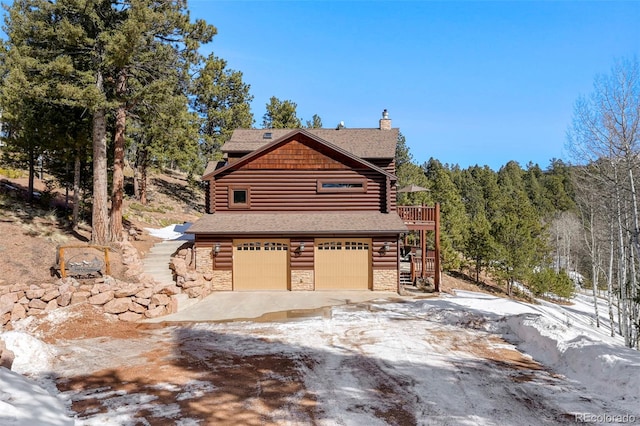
{"x":285,"y":223}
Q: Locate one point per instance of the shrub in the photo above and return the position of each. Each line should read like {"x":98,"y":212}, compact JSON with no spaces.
{"x":549,"y":281}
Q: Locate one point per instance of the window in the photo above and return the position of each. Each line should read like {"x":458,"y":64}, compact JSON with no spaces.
{"x":254,"y":246}
{"x":331,"y":245}
{"x":342,"y":185}
{"x":239,"y":197}
{"x":355,"y":245}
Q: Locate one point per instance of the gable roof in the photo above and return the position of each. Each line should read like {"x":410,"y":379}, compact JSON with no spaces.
{"x":286,"y":138}
{"x":364,"y":143}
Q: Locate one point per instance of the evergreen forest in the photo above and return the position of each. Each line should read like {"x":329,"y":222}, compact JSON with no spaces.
{"x":91,"y":88}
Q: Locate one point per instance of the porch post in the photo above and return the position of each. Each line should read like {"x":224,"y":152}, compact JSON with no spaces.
{"x":436,"y":279}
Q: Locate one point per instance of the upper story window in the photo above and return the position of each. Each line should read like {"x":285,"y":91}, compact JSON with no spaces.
{"x":342,"y":185}
{"x":239,"y":197}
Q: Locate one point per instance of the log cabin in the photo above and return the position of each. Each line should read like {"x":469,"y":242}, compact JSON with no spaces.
{"x":302,"y":209}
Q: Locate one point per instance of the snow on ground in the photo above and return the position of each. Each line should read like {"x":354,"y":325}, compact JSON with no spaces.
{"x":466,"y":359}
{"x":171,"y":232}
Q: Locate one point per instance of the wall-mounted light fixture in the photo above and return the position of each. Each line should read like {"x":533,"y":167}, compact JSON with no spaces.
{"x":385,"y":247}
{"x":216,"y":249}
{"x":300,"y":248}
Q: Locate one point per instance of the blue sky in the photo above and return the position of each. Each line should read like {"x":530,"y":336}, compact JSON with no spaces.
{"x":467,"y":83}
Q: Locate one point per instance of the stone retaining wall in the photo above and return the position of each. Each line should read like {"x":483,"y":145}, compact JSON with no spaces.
{"x":128,"y":301}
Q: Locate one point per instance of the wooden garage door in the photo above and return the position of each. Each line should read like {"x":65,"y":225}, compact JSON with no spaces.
{"x":260,"y":264}
{"x":343,"y":264}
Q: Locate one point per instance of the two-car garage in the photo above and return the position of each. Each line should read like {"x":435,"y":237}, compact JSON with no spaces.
{"x":339,"y":264}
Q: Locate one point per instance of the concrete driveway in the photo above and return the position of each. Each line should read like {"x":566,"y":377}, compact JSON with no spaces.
{"x":221,"y":306}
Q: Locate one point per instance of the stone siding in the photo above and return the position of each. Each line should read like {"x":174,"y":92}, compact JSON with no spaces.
{"x":204,"y":262}
{"x":302,"y":280}
{"x":385,"y":280}
{"x":222,"y":281}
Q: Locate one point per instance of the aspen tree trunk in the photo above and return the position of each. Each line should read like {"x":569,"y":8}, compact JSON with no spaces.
{"x":610,"y":282}
{"x":622,"y":275}
{"x":595,"y":260}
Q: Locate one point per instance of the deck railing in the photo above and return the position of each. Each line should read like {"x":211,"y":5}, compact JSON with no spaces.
{"x":417,"y":213}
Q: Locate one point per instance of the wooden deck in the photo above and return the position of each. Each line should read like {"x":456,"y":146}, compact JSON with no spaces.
{"x":423,"y":219}
{"x":419,"y":217}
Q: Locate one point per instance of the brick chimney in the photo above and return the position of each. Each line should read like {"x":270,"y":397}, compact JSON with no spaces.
{"x":385,"y":121}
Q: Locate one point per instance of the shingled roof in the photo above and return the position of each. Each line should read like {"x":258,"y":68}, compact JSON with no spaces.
{"x":214,"y":170}
{"x":368,"y":223}
{"x":364,"y":143}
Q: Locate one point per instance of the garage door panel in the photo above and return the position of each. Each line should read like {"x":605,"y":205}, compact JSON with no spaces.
{"x":260,"y":264}
{"x":342,"y":264}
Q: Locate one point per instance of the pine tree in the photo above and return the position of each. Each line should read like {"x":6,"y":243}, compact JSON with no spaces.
{"x":281,"y":115}
{"x":454,"y":220}
{"x":517,"y":229}
{"x":223,"y":102}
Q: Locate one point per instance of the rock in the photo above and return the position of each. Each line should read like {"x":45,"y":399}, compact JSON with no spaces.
{"x":5,"y":318}
{"x":179,"y":266}
{"x":183,"y":253}
{"x":37,"y":304}
{"x":156,"y":312}
{"x":65,"y":288}
{"x":35,"y":293}
{"x":100,"y":288}
{"x":137,"y":308}
{"x":64,"y":299}
{"x":108,"y":279}
{"x":6,"y":356}
{"x":18,"y":312}
{"x":195,"y":283}
{"x":192,"y":276}
{"x":9,"y":298}
{"x":79,"y":297}
{"x":19,"y":287}
{"x":130,"y":316}
{"x":50,"y":295}
{"x":71,"y":281}
{"x":34,"y":311}
{"x":170,"y":290}
{"x":172,"y":307}
{"x":194,"y":292}
{"x":127,"y":291}
{"x":142,"y":301}
{"x":145,"y":293}
{"x":160,"y":299}
{"x":208,"y":276}
{"x":117,"y":306}
{"x":53,"y":304}
{"x":101,"y":298}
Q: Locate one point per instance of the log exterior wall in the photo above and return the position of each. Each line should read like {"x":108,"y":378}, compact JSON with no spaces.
{"x":382,"y":259}
{"x":297,"y":190}
{"x":222,"y":261}
{"x":301,"y":260}
{"x":286,"y":179}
